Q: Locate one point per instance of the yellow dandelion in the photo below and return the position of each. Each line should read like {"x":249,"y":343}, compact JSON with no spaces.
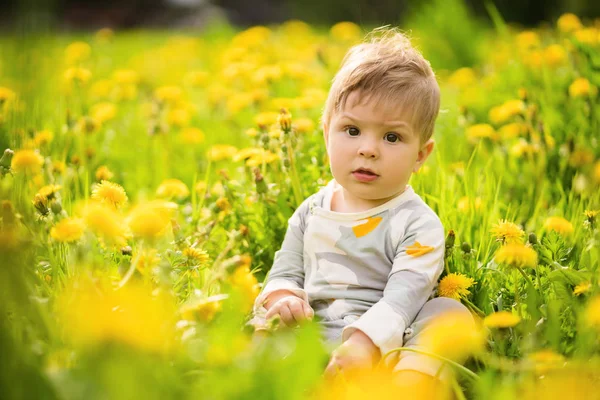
{"x":582,"y":288}
{"x":201,"y":187}
{"x":87,"y":125}
{"x":196,"y":255}
{"x":77,"y":52}
{"x":43,"y":137}
{"x":252,"y":37}
{"x":192,"y":136}
{"x":581,"y":157}
{"x":6,"y":95}
{"x":103,"y":173}
{"x":126,"y":76}
{"x":266,"y":118}
{"x":251,"y":132}
{"x":509,"y":109}
{"x":169,"y":94}
{"x":501,"y":319}
{"x":481,"y":131}
{"x":555,"y":55}
{"x":455,"y":286}
{"x":27,"y":161}
{"x":589,"y":36}
{"x":465,"y":203}
{"x":581,"y":87}
{"x":559,"y":225}
{"x":527,"y":40}
{"x":262,"y":157}
{"x":545,"y":360}
{"x":146,"y":261}
{"x":507,"y":232}
{"x":68,"y":230}
{"x":103,"y":112}
{"x":245,"y":282}
{"x":105,"y":222}
{"x":203,"y":310}
{"x":172,"y":189}
{"x":77,"y":75}
{"x":102,"y":88}
{"x":151,"y":220}
{"x":346,"y":32}
{"x":110,"y":193}
{"x":180,"y":117}
{"x":591,"y":314}
{"x":453,"y":335}
{"x":41,"y":205}
{"x":49,"y":191}
{"x":303,"y":125}
{"x":221,"y":152}
{"x":568,"y":23}
{"x":517,"y":255}
{"x":196,"y":78}
{"x":462,"y":77}
{"x":58,"y":167}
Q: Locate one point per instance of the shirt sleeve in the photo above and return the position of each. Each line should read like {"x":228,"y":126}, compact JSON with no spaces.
{"x":417,"y":266}
{"x":287,"y":272}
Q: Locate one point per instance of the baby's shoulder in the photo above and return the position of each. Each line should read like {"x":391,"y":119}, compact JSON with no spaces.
{"x":414,"y":214}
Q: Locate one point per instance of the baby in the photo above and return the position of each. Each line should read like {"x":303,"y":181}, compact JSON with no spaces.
{"x":363,"y":254}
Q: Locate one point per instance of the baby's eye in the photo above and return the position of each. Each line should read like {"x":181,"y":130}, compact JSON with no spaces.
{"x":352,"y":131}
{"x":391,"y":137}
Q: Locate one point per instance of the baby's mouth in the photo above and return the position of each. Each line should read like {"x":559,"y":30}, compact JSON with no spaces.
{"x":364,"y":171}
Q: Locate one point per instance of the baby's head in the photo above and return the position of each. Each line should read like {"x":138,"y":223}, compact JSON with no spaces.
{"x":379,"y":117}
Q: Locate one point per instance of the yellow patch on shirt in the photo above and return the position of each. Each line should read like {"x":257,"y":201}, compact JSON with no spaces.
{"x":363,"y":229}
{"x":417,"y":249}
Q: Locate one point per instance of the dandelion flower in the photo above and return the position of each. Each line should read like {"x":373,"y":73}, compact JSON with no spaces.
{"x":68,"y":230}
{"x":79,"y":75}
{"x":501,"y":319}
{"x":346,"y":32}
{"x":104,"y":221}
{"x":583,"y":287}
{"x":126,"y":76}
{"x":453,"y":335}
{"x":172,"y":188}
{"x":507,"y":232}
{"x":204,"y":310}
{"x":266,"y":118}
{"x":109,"y":192}
{"x":196,"y":255}
{"x":245,"y":282}
{"x":27,"y":161}
{"x":103,"y":173}
{"x":77,"y":52}
{"x":49,"y":191}
{"x":43,"y":137}
{"x":568,"y":23}
{"x":221,"y":152}
{"x":581,"y":87}
{"x":192,"y":136}
{"x":303,"y":125}
{"x":455,"y":286}
{"x":103,"y":112}
{"x":517,"y":255}
{"x":480,"y":131}
{"x":546,"y":360}
{"x":592,"y":312}
{"x":6,"y":95}
{"x":169,"y":94}
{"x":146,"y":261}
{"x":559,"y":225}
{"x":151,"y":220}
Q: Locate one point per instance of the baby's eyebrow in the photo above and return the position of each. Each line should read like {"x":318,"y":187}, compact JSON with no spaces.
{"x":388,"y":123}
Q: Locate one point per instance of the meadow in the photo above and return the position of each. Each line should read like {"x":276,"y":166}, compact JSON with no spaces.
{"x":147,"y":178}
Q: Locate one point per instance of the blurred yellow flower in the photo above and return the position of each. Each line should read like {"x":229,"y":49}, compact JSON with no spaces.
{"x":200,"y":310}
{"x":217,"y":190}
{"x":568,"y":23}
{"x":303,"y":125}
{"x":76,"y":74}
{"x":597,"y":171}
{"x":103,"y":173}
{"x":245,"y":282}
{"x":43,"y":137}
{"x":558,"y":224}
{"x":480,"y":131}
{"x":516,"y":255}
{"x":465,"y":203}
{"x":200,"y":188}
{"x":27,"y":161}
{"x":581,"y":87}
{"x":455,"y":286}
{"x":102,"y":88}
{"x":49,"y":191}
{"x":589,"y":36}
{"x":511,"y":108}
{"x":105,"y":222}
{"x":146,"y":261}
{"x":267,"y":74}
{"x":130,"y":316}
{"x":453,"y":335}
{"x":591,"y":315}
{"x":110,"y":193}
{"x":266,"y":118}
{"x":555,"y":55}
{"x":6,"y":95}
{"x":192,"y":136}
{"x":462,"y":77}
{"x":545,"y":360}
{"x":179,"y":117}
{"x":151,"y":220}
{"x":527,"y":40}
{"x":251,"y":132}
{"x":507,"y":232}
{"x":198,"y":256}
{"x":346,"y":32}
{"x":580,"y":158}
{"x":126,"y":76}
{"x":220,"y":152}
{"x":169,"y":94}
{"x":58,"y":167}
{"x":252,"y":37}
{"x":103,"y":112}
{"x":522,"y":147}
{"x":501,"y":319}
{"x":264,"y":156}
{"x":172,"y":189}
{"x":512,"y":130}
{"x":77,"y":52}
{"x":582,"y":288}
{"x":196,"y":78}
{"x":239,"y":101}
{"x":125,"y":92}
{"x":68,"y":230}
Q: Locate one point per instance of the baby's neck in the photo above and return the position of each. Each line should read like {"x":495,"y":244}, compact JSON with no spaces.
{"x":343,"y":202}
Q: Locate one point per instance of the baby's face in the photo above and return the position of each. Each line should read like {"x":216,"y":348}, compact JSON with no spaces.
{"x":372,"y":151}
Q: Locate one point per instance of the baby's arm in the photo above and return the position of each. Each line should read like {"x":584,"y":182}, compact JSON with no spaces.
{"x":283,"y":292}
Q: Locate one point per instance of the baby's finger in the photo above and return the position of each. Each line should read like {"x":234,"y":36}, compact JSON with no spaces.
{"x":308,"y":311}
{"x":273,"y":311}
{"x":297,"y":311}
{"x":286,"y":316}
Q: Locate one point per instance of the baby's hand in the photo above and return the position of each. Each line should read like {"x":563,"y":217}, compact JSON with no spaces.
{"x":291,"y":309}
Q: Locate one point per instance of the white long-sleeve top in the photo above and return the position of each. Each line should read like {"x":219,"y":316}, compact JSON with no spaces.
{"x":371,"y":270}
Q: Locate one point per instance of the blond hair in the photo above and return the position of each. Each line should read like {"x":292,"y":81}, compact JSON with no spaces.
{"x":390,"y":71}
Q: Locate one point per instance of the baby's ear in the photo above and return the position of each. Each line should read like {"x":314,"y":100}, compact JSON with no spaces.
{"x":423,"y":154}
